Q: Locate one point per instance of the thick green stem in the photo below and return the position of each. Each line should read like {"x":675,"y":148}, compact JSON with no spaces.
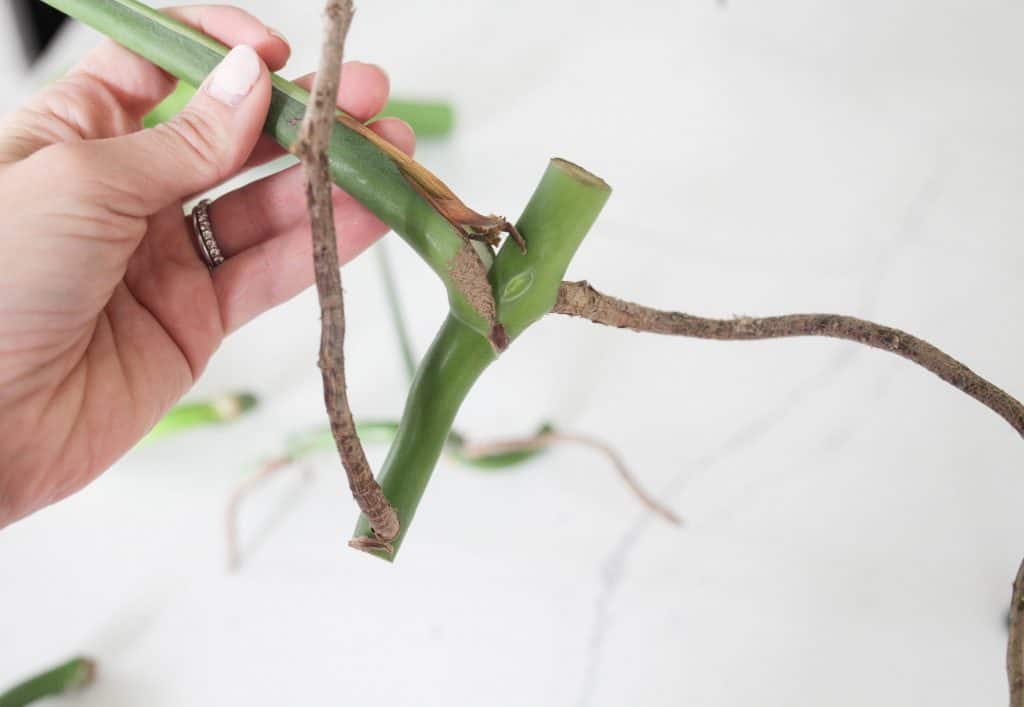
{"x":357,"y":165}
{"x":72,"y":675}
{"x":558,"y":216}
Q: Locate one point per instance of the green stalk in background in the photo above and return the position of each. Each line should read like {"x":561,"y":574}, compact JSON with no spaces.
{"x":321,"y":439}
{"x":456,"y":442}
{"x":223,"y":408}
{"x":395,"y":307}
{"x":498,"y":460}
{"x":555,"y":221}
{"x":359,"y":165}
{"x":72,"y":675}
{"x":429,"y":119}
{"x":316,"y":441}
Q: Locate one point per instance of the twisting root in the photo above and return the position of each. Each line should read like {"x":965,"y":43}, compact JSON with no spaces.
{"x":311,"y":148}
{"x":579,"y":299}
{"x":247,"y":486}
{"x":477,"y":450}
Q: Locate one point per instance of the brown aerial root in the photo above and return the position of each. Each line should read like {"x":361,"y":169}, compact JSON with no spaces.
{"x":311,"y":149}
{"x":579,"y":299}
{"x":1015,"y":646}
{"x":232,"y":511}
{"x":477,"y":450}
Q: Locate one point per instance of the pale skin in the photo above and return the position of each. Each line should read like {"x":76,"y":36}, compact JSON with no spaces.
{"x":107,"y":313}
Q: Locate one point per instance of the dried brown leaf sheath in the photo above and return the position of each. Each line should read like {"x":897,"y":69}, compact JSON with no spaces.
{"x":467,"y":222}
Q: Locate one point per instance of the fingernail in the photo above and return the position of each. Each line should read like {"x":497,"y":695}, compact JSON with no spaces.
{"x":235,"y":76}
{"x":275,"y":33}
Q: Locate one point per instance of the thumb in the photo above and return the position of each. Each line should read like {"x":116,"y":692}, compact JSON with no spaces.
{"x":207,"y":142}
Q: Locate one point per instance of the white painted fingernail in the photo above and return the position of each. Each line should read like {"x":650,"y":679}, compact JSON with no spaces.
{"x":235,"y":76}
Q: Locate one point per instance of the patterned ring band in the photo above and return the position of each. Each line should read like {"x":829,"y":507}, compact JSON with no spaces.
{"x":206,"y":244}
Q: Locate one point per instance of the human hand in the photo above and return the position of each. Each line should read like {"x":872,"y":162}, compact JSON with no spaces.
{"x":107,"y":313}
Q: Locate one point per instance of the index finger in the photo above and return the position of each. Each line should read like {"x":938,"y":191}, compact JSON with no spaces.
{"x":363,"y":93}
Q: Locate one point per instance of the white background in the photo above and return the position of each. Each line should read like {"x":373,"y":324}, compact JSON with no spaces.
{"x":853,"y":524}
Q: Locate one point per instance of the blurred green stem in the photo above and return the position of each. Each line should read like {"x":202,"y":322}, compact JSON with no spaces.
{"x":398,"y":320}
{"x":429,"y":119}
{"x":185,"y":416}
{"x":74,"y":674}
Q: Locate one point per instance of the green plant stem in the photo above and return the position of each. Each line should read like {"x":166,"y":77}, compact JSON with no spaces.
{"x":428,"y":119}
{"x":456,"y":442}
{"x":357,"y":165}
{"x":216,"y":410}
{"x":395,"y":308}
{"x":74,"y":674}
{"x":555,"y":221}
{"x":525,"y":285}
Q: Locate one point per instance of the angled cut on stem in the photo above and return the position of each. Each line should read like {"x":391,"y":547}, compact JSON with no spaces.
{"x":311,"y":149}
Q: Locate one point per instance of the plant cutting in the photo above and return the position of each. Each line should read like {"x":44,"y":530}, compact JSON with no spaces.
{"x":493,"y":297}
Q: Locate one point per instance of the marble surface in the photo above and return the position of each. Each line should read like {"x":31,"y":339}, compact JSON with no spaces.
{"x":852,"y":524}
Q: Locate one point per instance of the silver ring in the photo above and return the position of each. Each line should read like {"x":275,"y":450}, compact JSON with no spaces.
{"x":206,"y":244}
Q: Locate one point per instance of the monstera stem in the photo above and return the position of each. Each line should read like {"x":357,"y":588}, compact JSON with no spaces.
{"x":555,"y":221}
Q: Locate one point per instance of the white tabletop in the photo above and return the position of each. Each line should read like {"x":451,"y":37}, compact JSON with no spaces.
{"x":852,"y":523}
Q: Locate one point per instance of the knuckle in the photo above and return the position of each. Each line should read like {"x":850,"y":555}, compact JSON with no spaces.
{"x":200,"y":138}
{"x":95,"y":193}
{"x":90,"y":107}
{"x":80,"y":167}
{"x":72,"y":160}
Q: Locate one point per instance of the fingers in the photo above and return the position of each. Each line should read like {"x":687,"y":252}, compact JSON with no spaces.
{"x":275,"y":271}
{"x":363,"y":93}
{"x":139,"y":85}
{"x":200,"y":147}
{"x":273,"y":205}
{"x":276,"y":260}
{"x":107,"y":94}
